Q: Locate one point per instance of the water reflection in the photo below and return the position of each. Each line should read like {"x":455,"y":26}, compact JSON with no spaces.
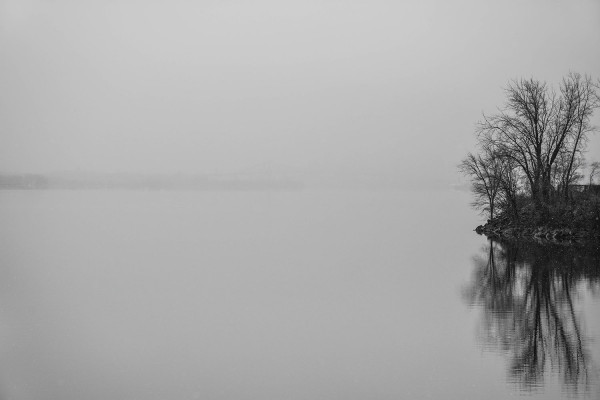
{"x":528,"y":293}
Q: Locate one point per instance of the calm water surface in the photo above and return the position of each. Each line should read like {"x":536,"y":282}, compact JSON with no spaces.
{"x":299,"y":295}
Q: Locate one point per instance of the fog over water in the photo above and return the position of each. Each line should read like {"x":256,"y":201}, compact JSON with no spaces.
{"x":300,"y":295}
{"x":257,"y":200}
{"x":324,"y":86}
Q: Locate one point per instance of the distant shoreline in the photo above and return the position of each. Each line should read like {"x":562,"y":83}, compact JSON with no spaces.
{"x":145,"y":182}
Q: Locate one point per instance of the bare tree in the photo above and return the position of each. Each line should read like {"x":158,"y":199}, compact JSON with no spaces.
{"x":509,"y":187}
{"x":567,"y":172}
{"x":538,"y":128}
{"x":582,"y":92}
{"x":520,"y":130}
{"x":594,"y":171}
{"x":484,"y":172}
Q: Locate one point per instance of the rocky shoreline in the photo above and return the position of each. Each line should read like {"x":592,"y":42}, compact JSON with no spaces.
{"x":544,"y":233}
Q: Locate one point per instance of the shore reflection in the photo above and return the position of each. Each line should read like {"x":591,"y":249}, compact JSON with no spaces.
{"x":527,"y":294}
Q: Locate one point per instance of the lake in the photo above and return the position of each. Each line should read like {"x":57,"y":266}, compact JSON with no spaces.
{"x":313,"y":294}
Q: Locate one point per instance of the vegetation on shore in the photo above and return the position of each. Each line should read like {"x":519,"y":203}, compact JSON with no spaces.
{"x":527,"y":171}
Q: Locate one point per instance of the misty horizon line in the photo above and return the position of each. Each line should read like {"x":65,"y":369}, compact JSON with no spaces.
{"x":248,"y":180}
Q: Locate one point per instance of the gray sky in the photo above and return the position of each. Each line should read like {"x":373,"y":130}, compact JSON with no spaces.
{"x":204,"y":86}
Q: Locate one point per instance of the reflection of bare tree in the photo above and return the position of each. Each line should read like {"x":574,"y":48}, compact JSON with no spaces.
{"x":526,"y":292}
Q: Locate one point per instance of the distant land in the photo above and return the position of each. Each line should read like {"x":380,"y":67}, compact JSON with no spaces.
{"x":261,"y":180}
{"x":132,"y":181}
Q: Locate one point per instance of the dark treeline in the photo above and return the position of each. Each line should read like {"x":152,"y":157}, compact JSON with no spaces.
{"x":528,"y":293}
{"x":530,"y":156}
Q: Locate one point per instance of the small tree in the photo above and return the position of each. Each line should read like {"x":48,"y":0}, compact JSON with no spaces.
{"x":509,"y":187}
{"x":484,"y":173}
{"x":594,"y":171}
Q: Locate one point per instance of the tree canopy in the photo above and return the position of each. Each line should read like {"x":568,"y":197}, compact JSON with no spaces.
{"x":533,"y":146}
